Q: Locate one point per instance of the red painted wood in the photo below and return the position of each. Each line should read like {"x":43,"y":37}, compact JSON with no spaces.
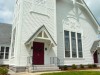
{"x":38,"y":53}
{"x":95,"y":56}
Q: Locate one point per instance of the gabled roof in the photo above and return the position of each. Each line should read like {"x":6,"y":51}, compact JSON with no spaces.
{"x":82,"y":3}
{"x":37,"y":32}
{"x":95,"y":46}
{"x":91,"y":13}
{"x":5,"y":33}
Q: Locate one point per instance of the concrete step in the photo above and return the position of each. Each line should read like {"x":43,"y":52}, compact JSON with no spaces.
{"x":37,"y":68}
{"x":45,"y":65}
{"x":44,"y":70}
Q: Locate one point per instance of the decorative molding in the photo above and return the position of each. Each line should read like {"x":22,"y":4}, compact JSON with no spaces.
{"x":72,"y":23}
{"x":31,"y":11}
{"x":39,"y":7}
{"x":40,"y":2}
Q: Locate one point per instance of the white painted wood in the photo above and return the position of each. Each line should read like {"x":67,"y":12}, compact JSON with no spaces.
{"x":59,"y":15}
{"x":68,"y":19}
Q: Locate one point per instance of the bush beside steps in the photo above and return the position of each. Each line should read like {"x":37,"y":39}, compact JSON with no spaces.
{"x":3,"y":71}
{"x":78,"y":67}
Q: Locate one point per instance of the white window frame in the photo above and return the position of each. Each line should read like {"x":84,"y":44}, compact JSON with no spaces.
{"x":5,"y":52}
{"x":82,"y":47}
{"x":71,"y":45}
{"x":69,"y":42}
{"x":75,"y":44}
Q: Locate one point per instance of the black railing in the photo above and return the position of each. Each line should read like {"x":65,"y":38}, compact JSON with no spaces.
{"x":54,"y":60}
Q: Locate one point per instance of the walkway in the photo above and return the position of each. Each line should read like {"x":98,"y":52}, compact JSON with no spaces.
{"x":27,"y":73}
{"x":38,"y":73}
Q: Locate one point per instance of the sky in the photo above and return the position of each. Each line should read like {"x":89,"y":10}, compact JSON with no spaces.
{"x":94,"y":6}
{"x":6,"y":11}
{"x":7,"y":8}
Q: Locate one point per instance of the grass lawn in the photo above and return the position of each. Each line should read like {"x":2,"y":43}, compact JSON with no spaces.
{"x":75,"y":73}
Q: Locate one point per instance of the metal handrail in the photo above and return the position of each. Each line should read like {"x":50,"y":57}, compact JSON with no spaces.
{"x":54,"y":60}
{"x":29,"y":60}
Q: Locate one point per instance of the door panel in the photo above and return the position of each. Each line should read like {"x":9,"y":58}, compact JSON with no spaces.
{"x":38,"y":53}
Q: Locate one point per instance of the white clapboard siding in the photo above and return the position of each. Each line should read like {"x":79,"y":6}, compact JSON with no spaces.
{"x":30,"y":23}
{"x":28,"y":19}
{"x":66,"y":11}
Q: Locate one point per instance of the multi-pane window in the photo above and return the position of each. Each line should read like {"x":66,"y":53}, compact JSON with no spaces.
{"x":71,"y":46}
{"x":7,"y":53}
{"x":73,"y":38}
{"x":79,"y":45}
{"x":67,"y":44}
{"x":4,"y":52}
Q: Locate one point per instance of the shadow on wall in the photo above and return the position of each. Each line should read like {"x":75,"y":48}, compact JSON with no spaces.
{"x":66,"y":9}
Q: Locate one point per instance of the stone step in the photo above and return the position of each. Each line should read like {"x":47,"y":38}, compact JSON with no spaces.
{"x":45,"y":70}
{"x":38,"y":68}
{"x":44,"y":65}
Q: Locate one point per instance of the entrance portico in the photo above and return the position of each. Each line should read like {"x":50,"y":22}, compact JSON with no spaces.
{"x":42,"y":46}
{"x":95,"y":50}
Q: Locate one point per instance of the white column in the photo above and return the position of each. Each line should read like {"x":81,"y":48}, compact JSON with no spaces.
{"x":77,"y":46}
{"x":70,"y":44}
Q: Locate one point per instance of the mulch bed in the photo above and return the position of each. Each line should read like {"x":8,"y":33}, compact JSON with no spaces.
{"x":70,"y":69}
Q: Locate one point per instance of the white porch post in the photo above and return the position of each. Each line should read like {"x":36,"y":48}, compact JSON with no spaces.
{"x":49,"y":47}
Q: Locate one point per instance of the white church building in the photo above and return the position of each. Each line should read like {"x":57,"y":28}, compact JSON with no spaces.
{"x":48,"y":33}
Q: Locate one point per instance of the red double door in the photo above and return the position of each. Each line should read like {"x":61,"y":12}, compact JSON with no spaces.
{"x":38,"y":53}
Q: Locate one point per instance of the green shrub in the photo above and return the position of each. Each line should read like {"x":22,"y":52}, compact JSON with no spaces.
{"x":89,"y":66}
{"x":61,"y":67}
{"x":81,"y":66}
{"x":3,"y":71}
{"x":74,"y":66}
{"x":5,"y":66}
{"x":65,"y":67}
{"x":94,"y":66}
